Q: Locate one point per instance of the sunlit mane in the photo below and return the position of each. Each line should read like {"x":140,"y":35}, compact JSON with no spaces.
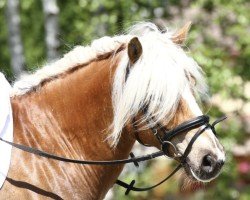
{"x":78,"y":56}
{"x":156,"y":80}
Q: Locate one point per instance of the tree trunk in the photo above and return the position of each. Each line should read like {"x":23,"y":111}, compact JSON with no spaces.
{"x":15,"y":42}
{"x":51,"y":11}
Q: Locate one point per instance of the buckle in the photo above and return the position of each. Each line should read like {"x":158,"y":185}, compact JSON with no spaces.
{"x":164,"y":146}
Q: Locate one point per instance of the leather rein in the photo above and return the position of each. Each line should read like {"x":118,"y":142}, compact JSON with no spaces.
{"x":201,"y":121}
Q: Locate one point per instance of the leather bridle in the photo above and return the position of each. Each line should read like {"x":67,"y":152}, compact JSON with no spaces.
{"x":200,"y":121}
{"x":165,"y":141}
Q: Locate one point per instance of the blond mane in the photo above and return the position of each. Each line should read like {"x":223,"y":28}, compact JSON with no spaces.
{"x":80,"y":55}
{"x":157,"y":79}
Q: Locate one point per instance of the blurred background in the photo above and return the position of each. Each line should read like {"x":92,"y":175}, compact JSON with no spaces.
{"x":34,"y":32}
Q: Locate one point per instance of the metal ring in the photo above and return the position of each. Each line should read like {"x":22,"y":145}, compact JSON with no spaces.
{"x":176,"y":154}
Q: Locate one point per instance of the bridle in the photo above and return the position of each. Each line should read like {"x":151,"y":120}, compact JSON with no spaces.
{"x":201,"y":121}
{"x":182,"y":128}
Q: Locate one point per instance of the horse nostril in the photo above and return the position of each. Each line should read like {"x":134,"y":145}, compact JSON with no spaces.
{"x":210,"y":166}
{"x":220,"y":163}
{"x":208,"y":163}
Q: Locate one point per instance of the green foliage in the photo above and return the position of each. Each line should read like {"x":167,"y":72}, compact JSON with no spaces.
{"x":5,"y":54}
{"x":90,"y":19}
{"x":32,"y":30}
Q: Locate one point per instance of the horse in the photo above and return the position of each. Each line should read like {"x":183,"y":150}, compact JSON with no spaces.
{"x":86,"y":105}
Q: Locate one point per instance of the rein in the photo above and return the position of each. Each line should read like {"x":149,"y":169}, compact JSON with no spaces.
{"x":202,"y":120}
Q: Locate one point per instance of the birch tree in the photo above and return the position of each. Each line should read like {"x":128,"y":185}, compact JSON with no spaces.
{"x":51,"y":12}
{"x":14,"y":36}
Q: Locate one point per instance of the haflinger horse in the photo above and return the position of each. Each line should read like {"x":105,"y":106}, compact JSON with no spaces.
{"x":86,"y":104}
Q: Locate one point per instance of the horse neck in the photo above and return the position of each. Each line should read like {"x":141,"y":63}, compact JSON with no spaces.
{"x":70,"y":116}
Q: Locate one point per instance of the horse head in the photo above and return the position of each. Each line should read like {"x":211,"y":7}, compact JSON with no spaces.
{"x":142,"y":84}
{"x":157,"y":83}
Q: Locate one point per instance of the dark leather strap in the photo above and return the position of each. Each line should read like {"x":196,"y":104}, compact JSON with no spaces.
{"x":130,"y":187}
{"x":84,"y":162}
{"x":186,"y":126}
{"x":182,"y":128}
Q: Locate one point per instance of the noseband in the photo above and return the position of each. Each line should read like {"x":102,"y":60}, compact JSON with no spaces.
{"x":187,"y":126}
{"x":165,"y":140}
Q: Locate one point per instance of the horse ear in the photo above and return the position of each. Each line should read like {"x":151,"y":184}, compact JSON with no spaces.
{"x":134,"y":50}
{"x":181,"y":35}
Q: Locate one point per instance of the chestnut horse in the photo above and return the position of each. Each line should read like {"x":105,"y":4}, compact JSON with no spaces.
{"x":82,"y":107}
